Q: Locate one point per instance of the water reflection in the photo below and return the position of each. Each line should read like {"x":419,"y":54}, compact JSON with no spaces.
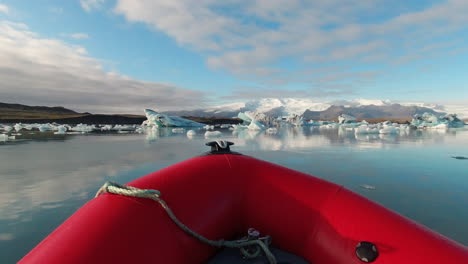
{"x":46,"y":177}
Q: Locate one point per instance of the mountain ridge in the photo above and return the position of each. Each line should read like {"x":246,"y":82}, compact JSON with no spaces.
{"x":361,"y":109}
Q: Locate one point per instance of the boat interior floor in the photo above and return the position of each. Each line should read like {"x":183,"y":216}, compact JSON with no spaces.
{"x":233,"y":256}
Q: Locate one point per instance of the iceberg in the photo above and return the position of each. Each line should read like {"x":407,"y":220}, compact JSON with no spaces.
{"x":191,"y":133}
{"x":61,"y":130}
{"x":346,"y":119}
{"x":428,"y":120}
{"x":45,"y":127}
{"x":178,"y":130}
{"x":389,"y":130}
{"x":5,"y":137}
{"x":209,"y":134}
{"x":296,"y":120}
{"x":7,"y":128}
{"x":155,"y":119}
{"x":18,"y":127}
{"x":254,"y":121}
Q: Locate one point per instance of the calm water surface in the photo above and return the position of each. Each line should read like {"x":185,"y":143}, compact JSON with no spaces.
{"x":45,"y":177}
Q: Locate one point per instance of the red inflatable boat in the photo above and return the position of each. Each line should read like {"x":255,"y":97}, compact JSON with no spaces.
{"x":223,"y":194}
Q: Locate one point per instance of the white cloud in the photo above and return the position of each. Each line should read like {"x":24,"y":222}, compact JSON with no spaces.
{"x":248,"y":37}
{"x":4,"y":9}
{"x":79,"y":36}
{"x":89,"y":5}
{"x":40,"y":71}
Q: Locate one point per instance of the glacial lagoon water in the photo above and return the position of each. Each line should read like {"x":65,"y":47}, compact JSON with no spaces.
{"x":46,"y":177}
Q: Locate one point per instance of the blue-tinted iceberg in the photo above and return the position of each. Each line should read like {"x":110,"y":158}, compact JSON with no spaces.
{"x":254,"y":121}
{"x":346,"y":119}
{"x":155,"y":119}
{"x":428,"y":120}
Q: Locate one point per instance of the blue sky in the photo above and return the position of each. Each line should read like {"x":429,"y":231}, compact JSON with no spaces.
{"x":124,"y":55}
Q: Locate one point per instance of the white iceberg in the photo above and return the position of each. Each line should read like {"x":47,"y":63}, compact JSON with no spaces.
{"x":155,"y":119}
{"x":178,"y":130}
{"x":18,"y":127}
{"x":45,"y":127}
{"x":61,"y":130}
{"x":428,"y":120}
{"x":7,"y":128}
{"x":209,"y":134}
{"x":346,"y":119}
{"x":5,"y":137}
{"x":389,"y":130}
{"x":191,"y":133}
{"x":254,"y":121}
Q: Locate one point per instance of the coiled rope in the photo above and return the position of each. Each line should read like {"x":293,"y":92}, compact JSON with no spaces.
{"x":249,"y":247}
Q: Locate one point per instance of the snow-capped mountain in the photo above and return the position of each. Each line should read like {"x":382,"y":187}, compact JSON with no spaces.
{"x":294,"y":106}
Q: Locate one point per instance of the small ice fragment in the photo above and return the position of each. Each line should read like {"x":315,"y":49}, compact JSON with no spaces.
{"x":191,"y":133}
{"x":18,"y":127}
{"x":255,"y":125}
{"x":212,"y":134}
{"x":368,"y":187}
{"x":178,"y":130}
{"x":272,"y":130}
{"x":389,"y":130}
{"x":44,"y":127}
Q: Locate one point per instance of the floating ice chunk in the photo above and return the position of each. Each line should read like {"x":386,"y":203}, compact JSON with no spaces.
{"x":106,"y":128}
{"x":239,"y":127}
{"x":209,"y":127}
{"x":361,"y":130}
{"x":7,"y":128}
{"x":191,"y":133}
{"x":123,"y":128}
{"x":45,"y":127}
{"x":83,"y":128}
{"x":296,"y":120}
{"x":367,"y":186}
{"x":209,"y":134}
{"x":255,"y":125}
{"x":453,"y":121}
{"x":259,"y":118}
{"x":178,"y":130}
{"x":18,"y":127}
{"x":245,"y":117}
{"x":155,"y":119}
{"x":225,"y":126}
{"x":346,"y":119}
{"x":428,"y":120}
{"x":5,"y":137}
{"x":61,"y":130}
{"x":329,"y":126}
{"x":440,"y":126}
{"x":364,"y":129}
{"x":272,"y":130}
{"x":389,"y":130}
{"x":139,"y":130}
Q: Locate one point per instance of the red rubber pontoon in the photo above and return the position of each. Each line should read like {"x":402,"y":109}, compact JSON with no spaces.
{"x":220,"y":197}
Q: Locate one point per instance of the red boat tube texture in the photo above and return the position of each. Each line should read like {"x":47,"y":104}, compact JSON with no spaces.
{"x":220,"y":197}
